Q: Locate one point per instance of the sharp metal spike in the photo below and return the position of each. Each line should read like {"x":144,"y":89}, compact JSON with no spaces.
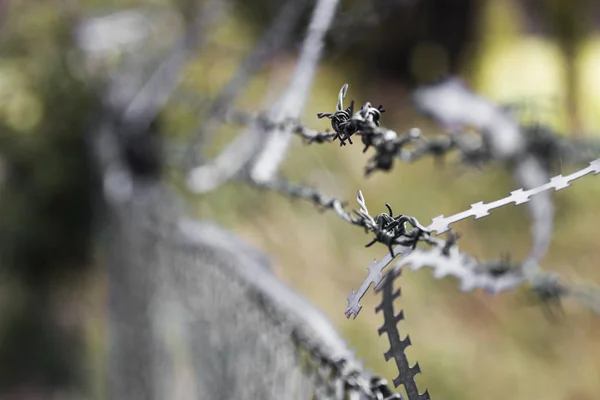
{"x":478,"y":210}
{"x":341,"y":96}
{"x":441,"y":224}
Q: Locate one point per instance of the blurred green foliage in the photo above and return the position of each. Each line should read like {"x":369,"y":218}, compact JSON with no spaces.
{"x":47,"y":195}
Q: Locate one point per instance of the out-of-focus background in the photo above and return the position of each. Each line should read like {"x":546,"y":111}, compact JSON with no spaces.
{"x":542,"y":56}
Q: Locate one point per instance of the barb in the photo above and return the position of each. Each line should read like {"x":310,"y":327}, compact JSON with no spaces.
{"x":374,"y":276}
{"x":497,"y":276}
{"x":340,"y":119}
{"x":387,"y":229}
{"x":364,"y":211}
{"x":392,"y":231}
{"x":248,"y":149}
{"x":441,"y":224}
{"x":406,"y":373}
{"x":449,"y":261}
{"x":365,"y":123}
{"x":528,"y":153}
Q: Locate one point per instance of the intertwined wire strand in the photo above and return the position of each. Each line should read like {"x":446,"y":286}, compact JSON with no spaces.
{"x":445,"y":259}
{"x":501,"y":139}
{"x":392,"y":231}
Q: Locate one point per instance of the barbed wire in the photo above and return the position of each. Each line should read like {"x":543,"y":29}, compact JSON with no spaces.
{"x":406,"y":373}
{"x":530,"y":150}
{"x":412,"y":145}
{"x":446,"y":260}
{"x":337,"y":378}
{"x":392,"y":231}
{"x":386,"y":228}
{"x":401,"y":234}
